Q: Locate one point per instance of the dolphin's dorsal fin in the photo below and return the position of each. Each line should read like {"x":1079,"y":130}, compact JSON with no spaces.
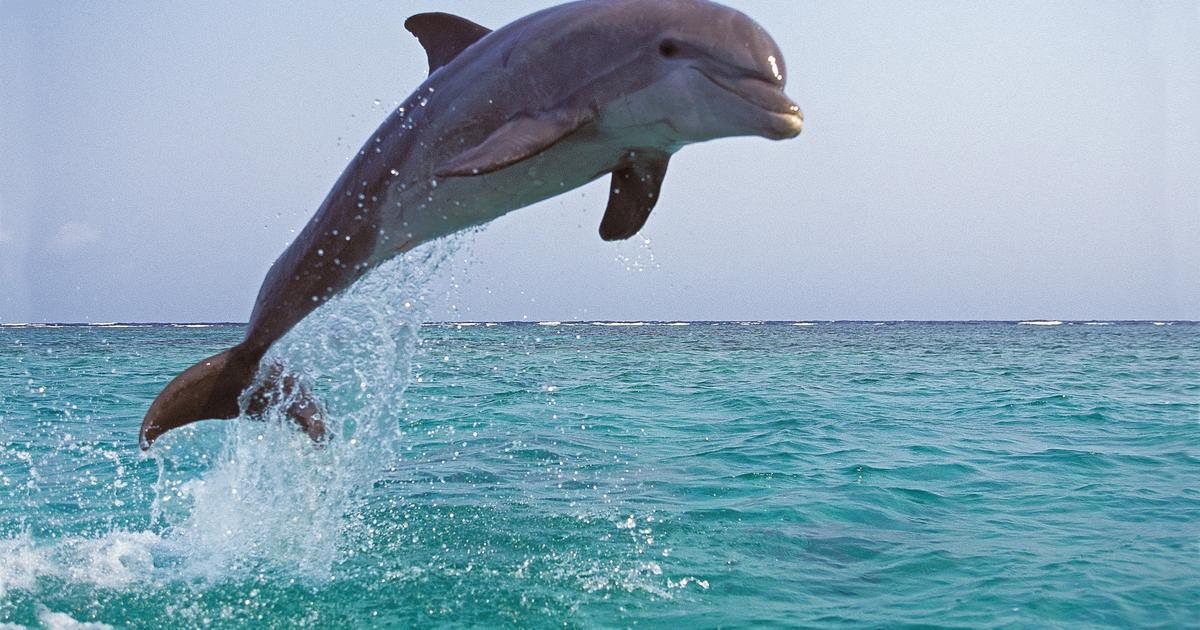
{"x":444,"y":36}
{"x":522,"y":137}
{"x":632,"y":194}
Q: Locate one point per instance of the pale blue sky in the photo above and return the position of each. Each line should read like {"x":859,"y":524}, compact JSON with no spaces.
{"x":960,"y":160}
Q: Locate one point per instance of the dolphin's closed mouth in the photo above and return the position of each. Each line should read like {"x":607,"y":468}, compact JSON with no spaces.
{"x":757,"y":92}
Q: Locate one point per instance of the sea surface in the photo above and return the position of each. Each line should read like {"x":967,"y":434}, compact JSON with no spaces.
{"x":604,"y":474}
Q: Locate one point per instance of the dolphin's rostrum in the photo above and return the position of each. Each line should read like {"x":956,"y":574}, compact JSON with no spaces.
{"x":506,"y":118}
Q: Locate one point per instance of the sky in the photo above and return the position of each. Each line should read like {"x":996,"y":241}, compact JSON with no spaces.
{"x":960,"y":160}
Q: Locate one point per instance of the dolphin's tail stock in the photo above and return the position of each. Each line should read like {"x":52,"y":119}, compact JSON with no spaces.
{"x":211,"y":389}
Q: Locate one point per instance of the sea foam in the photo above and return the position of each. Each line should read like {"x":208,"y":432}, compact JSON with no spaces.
{"x":273,"y":500}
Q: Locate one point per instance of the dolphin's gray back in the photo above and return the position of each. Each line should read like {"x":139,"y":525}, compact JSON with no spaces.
{"x":456,"y":107}
{"x":383,"y":203}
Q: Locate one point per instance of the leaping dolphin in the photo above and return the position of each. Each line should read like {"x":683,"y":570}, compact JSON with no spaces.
{"x":505,"y":119}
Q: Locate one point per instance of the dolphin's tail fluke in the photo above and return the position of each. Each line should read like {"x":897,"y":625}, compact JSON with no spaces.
{"x":207,"y":390}
{"x":211,"y":390}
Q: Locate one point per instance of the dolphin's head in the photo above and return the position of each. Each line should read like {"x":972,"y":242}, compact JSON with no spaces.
{"x":707,"y":71}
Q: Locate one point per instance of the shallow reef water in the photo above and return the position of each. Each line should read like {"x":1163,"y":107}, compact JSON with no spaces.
{"x":612,"y":474}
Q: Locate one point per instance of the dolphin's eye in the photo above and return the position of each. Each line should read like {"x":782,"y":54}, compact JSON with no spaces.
{"x":668,"y":48}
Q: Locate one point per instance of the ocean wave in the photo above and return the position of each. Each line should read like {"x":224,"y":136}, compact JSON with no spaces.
{"x":538,"y":472}
{"x":51,"y":620}
{"x":804,"y":324}
{"x":115,"y":560}
{"x":1040,"y":322}
{"x":549,"y":323}
{"x":620,"y":323}
{"x":1097,"y":323}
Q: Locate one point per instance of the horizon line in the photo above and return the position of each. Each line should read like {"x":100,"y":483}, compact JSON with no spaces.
{"x":631,"y":321}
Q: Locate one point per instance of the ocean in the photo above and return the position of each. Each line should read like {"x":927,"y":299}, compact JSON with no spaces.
{"x":613,"y":474}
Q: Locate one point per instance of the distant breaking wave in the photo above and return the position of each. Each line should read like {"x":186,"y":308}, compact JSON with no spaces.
{"x":549,"y":323}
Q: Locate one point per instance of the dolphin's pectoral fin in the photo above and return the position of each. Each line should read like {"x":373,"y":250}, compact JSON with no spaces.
{"x":632,"y":195}
{"x":520,"y":138}
{"x":443,"y":36}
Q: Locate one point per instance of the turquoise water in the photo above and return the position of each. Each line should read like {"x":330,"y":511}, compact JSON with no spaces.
{"x":709,"y":475}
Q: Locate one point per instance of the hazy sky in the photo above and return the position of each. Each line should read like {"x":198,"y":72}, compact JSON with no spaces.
{"x":960,"y":160}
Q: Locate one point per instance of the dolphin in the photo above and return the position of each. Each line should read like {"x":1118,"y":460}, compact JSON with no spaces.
{"x":506,"y":118}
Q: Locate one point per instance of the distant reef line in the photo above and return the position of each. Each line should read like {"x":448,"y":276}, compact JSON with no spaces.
{"x":637,"y":322}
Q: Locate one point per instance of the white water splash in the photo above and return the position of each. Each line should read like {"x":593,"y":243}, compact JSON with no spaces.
{"x":115,"y":560}
{"x":51,"y":620}
{"x":272,"y":500}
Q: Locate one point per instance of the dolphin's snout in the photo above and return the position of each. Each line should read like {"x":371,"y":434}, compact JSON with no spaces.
{"x":782,"y":123}
{"x":783,"y":116}
{"x":784,"y":126}
{"x":795,"y":122}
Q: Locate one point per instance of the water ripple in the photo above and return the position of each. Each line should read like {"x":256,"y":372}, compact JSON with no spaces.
{"x":908,"y":475}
